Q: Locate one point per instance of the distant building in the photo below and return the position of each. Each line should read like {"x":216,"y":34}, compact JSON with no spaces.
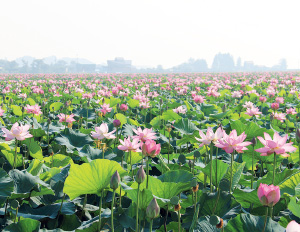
{"x":119,"y":65}
{"x":85,"y":68}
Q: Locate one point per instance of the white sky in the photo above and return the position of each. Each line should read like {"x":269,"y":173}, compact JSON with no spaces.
{"x":152,"y":32}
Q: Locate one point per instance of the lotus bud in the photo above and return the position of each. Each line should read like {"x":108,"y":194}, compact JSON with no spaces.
{"x":298,"y":135}
{"x":115,"y":181}
{"x":117,"y":123}
{"x":271,"y":117}
{"x":223,"y":108}
{"x":268,"y":195}
{"x":140,"y":175}
{"x":253,"y":141}
{"x":153,"y":209}
{"x":161,"y":101}
{"x":49,"y":120}
{"x":103,"y":100}
{"x":169,"y":127}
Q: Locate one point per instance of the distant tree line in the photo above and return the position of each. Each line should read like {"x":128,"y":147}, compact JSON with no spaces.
{"x":222,"y":62}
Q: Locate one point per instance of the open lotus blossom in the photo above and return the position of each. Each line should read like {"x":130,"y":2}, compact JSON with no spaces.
{"x":268,"y":195}
{"x":291,"y":111}
{"x":17,"y":132}
{"x":236,"y":94}
{"x":22,"y":95}
{"x":279,"y":116}
{"x":180,"y":110}
{"x":199,"y":99}
{"x":150,"y":148}
{"x":66,"y":118}
{"x":254,"y":111}
{"x":279,"y":100}
{"x":101,"y":132}
{"x":248,"y":104}
{"x":210,"y":136}
{"x":105,"y":108}
{"x":277,"y":145}
{"x":1,"y":111}
{"x":145,"y":134}
{"x":275,"y":106}
{"x":35,"y":109}
{"x":128,"y":145}
{"x":233,"y":142}
{"x":293,"y":227}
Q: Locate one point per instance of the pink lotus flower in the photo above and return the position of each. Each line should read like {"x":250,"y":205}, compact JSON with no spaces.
{"x":66,"y":118}
{"x":105,"y":108}
{"x":236,"y":94}
{"x":268,"y":195}
{"x":150,"y":148}
{"x":144,"y":135}
{"x":210,"y":136}
{"x":263,"y":99}
{"x":279,"y":100}
{"x":198,"y":99}
{"x":123,"y":107}
{"x":1,"y":111}
{"x":36,"y":109}
{"x":275,"y":106}
{"x":291,"y":111}
{"x":277,"y":145}
{"x":179,"y":109}
{"x":232,"y":142}
{"x":248,"y":105}
{"x":22,"y":95}
{"x":102,"y":132}
{"x":279,"y":116}
{"x":128,"y":145}
{"x":254,"y":111}
{"x":57,"y":94}
{"x":19,"y":132}
{"x":293,"y":227}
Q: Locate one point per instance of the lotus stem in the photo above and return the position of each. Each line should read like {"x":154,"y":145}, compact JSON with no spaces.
{"x":274,"y":168}
{"x":16,"y":215}
{"x":252,"y":178}
{"x":231,"y":171}
{"x":61,"y":205}
{"x":15,"y":158}
{"x":179,"y":220}
{"x":211,"y":166}
{"x":147,"y":167}
{"x":151,"y":223}
{"x":265,"y":219}
{"x":217,"y":169}
{"x":84,"y":203}
{"x":112,"y":211}
{"x":100,"y":207}
{"x":137,"y":209}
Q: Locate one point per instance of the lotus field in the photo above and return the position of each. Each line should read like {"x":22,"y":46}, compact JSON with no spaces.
{"x":150,"y":152}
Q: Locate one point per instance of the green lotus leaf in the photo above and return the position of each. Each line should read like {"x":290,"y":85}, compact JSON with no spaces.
{"x":90,"y":178}
{"x":7,"y":184}
{"x":25,"y":225}
{"x":248,"y":222}
{"x":73,"y":139}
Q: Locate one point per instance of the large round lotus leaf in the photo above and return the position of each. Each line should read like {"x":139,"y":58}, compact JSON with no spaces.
{"x":90,"y":178}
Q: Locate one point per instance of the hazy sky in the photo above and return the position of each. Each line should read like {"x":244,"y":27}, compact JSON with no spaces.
{"x":152,"y":32}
